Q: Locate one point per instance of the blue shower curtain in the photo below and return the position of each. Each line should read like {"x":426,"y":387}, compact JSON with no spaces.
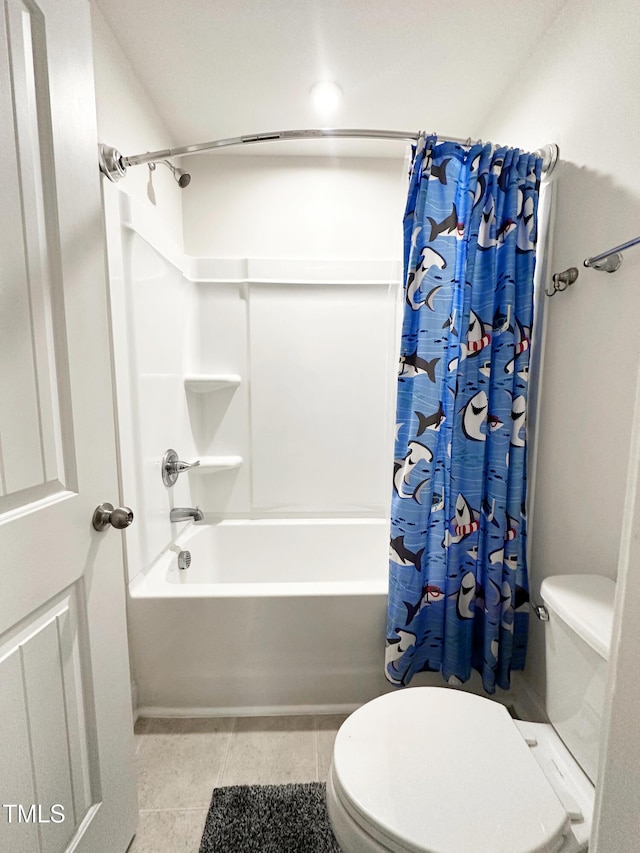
{"x":458,"y":590}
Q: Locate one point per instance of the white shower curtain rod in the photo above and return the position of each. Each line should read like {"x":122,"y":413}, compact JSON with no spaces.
{"x":114,"y":165}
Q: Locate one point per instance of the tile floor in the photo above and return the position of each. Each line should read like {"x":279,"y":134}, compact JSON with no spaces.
{"x":180,"y":761}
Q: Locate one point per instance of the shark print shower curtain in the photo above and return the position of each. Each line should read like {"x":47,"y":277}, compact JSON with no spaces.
{"x":458,"y":590}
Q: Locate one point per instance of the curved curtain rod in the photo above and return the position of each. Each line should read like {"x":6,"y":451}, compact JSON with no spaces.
{"x":114,"y":165}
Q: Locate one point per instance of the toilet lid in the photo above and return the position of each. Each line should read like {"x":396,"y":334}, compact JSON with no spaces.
{"x":434,"y":770}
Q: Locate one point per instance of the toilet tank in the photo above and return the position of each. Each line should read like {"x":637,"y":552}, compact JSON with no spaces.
{"x":577,"y":640}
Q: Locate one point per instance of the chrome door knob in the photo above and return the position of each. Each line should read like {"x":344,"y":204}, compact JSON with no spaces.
{"x":106,"y":514}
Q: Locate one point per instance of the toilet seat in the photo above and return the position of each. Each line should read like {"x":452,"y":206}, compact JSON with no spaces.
{"x":433,"y":770}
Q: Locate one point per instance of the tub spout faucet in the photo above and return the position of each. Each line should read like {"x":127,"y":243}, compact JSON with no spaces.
{"x":182,"y":513}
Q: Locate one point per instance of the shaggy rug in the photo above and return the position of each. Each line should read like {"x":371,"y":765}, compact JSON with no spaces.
{"x":268,"y":819}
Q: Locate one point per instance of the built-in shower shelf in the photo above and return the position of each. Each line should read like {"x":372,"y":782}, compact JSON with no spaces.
{"x":204,"y":382}
{"x":211,"y":464}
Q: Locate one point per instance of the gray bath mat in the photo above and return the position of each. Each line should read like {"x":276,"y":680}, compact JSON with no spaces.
{"x":268,"y":819}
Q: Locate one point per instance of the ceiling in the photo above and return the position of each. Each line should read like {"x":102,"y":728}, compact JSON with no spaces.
{"x":221,"y":68}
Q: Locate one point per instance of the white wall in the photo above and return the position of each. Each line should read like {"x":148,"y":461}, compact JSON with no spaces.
{"x":580,"y":89}
{"x":617,"y":825}
{"x":128,"y":120}
{"x":294,"y":207}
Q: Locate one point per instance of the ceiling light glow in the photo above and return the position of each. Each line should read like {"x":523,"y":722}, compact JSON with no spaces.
{"x":325,"y":97}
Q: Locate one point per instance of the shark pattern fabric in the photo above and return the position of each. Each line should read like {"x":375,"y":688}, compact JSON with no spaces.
{"x":458,"y":588}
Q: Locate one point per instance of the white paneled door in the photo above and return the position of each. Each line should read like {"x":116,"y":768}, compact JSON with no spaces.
{"x":66,"y":751}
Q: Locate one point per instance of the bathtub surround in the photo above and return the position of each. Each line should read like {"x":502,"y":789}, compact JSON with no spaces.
{"x":247,"y":366}
{"x":186,"y":347}
{"x":458,"y":587}
{"x":148,"y":293}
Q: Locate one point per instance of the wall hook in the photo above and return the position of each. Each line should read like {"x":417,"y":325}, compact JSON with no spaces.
{"x":562,"y":280}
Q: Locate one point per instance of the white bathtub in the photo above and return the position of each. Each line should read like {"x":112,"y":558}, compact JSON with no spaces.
{"x":272,"y":558}
{"x":271,"y":616}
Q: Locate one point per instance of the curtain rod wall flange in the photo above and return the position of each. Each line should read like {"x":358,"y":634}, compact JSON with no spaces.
{"x":114,"y":165}
{"x":611,"y":260}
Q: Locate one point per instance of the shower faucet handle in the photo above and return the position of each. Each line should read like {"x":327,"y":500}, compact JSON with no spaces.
{"x":184,"y":466}
{"x":172,"y":467}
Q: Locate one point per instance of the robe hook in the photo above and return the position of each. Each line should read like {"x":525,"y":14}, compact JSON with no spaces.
{"x":562,"y":280}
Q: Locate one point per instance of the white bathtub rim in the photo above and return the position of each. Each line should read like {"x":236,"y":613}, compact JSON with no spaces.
{"x":292,"y":520}
{"x":144,"y":588}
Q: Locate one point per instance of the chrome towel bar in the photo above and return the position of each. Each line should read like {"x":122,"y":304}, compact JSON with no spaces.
{"x":610,"y":261}
{"x":604,"y":262}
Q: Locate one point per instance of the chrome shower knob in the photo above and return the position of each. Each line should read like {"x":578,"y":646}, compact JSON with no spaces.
{"x":172,"y":467}
{"x":105,"y":514}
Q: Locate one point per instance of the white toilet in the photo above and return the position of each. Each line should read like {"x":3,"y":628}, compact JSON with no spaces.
{"x":436,"y":770}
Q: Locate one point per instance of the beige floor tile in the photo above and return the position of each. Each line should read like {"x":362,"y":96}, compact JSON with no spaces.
{"x":327,"y":727}
{"x":270,"y":751}
{"x":169,"y":832}
{"x":179,"y":762}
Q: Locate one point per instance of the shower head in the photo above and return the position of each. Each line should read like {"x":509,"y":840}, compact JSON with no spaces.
{"x":183,"y":179}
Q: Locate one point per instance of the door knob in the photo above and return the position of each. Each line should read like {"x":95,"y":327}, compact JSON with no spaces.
{"x":105,"y":514}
